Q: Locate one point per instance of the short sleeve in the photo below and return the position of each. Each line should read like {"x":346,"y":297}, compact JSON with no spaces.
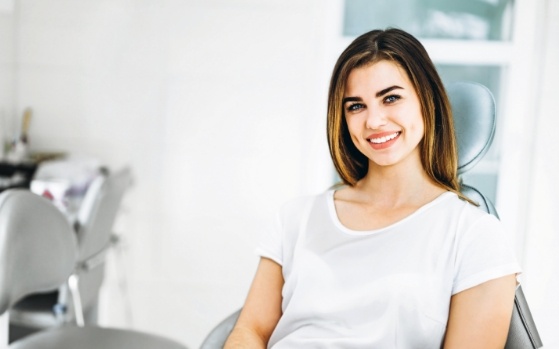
{"x":271,"y":242}
{"x":484,"y":253}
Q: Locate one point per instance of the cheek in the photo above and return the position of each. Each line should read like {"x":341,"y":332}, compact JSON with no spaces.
{"x":418,"y":125}
{"x":354,"y":128}
{"x":420,"y":128}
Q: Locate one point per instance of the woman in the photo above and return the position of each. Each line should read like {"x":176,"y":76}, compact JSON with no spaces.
{"x":397,"y":257}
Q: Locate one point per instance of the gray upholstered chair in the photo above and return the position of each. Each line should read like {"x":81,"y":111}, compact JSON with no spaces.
{"x":38,"y":252}
{"x":474,"y":116}
{"x":216,"y":338}
{"x":76,"y":302}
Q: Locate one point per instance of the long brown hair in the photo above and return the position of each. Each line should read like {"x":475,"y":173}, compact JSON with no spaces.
{"x":438,"y":149}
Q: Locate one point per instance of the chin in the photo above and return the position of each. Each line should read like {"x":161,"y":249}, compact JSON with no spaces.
{"x":383,"y":163}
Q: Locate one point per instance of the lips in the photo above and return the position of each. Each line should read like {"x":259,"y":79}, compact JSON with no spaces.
{"x":382,"y":138}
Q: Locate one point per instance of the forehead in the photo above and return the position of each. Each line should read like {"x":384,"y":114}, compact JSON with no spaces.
{"x":375,"y":77}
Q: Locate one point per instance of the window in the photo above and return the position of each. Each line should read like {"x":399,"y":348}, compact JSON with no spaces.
{"x":432,"y":19}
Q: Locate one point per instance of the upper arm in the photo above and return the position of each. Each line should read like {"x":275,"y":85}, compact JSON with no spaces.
{"x":480,"y":316}
{"x":262,"y":309}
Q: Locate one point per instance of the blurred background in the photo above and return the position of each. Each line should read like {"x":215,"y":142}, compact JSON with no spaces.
{"x":218,"y":107}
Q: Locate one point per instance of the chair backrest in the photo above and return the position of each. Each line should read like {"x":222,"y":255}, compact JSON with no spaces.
{"x":473,"y":108}
{"x":98,"y":212}
{"x":36,"y":237}
{"x":94,"y":229}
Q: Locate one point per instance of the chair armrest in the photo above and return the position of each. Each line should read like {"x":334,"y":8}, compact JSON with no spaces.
{"x":522,"y":333}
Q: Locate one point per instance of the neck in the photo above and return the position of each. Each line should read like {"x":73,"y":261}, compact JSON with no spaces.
{"x":400,"y":185}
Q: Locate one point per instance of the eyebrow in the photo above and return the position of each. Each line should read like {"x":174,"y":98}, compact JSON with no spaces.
{"x":351,"y":99}
{"x":386,"y":90}
{"x":378,"y":94}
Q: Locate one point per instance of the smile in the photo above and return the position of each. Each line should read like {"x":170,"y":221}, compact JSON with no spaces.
{"x":384,"y":139}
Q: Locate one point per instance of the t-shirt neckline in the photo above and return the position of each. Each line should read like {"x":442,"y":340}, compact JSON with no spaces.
{"x":334,"y":214}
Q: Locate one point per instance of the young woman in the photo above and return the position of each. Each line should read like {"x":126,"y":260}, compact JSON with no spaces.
{"x":396,"y":257}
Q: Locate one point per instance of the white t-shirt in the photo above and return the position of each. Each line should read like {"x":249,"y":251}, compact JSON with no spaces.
{"x":386,"y":288}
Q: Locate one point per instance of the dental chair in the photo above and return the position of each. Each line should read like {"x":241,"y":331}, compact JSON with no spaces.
{"x":473,"y":108}
{"x":38,"y":253}
{"x":76,"y":301}
{"x":474,"y":118}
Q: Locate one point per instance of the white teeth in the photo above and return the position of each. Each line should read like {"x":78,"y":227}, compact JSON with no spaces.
{"x":384,"y":139}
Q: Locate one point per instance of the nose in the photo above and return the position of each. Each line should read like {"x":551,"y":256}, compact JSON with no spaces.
{"x":376,"y":118}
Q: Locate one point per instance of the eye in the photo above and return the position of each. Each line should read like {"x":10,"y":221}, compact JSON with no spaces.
{"x":353,"y":107}
{"x":391,"y":99}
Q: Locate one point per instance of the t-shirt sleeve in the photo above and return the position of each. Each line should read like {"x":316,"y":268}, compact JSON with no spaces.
{"x":484,"y":253}
{"x":270,"y":244}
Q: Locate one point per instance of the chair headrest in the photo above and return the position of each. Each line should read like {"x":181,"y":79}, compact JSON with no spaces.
{"x":473,"y":108}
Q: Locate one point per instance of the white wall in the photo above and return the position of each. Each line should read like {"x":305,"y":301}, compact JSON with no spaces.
{"x":214,"y":104}
{"x":7,"y":69}
{"x":542,"y":238}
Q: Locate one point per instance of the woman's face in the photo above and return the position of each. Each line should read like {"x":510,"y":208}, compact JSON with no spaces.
{"x":383,"y":114}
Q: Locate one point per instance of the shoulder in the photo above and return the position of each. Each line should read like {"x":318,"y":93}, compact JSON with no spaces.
{"x":471,"y":223}
{"x":461,"y":216}
{"x":474,"y":216}
{"x":467,"y":212}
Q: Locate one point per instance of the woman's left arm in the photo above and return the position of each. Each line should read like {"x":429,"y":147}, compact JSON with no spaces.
{"x":480,"y":316}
